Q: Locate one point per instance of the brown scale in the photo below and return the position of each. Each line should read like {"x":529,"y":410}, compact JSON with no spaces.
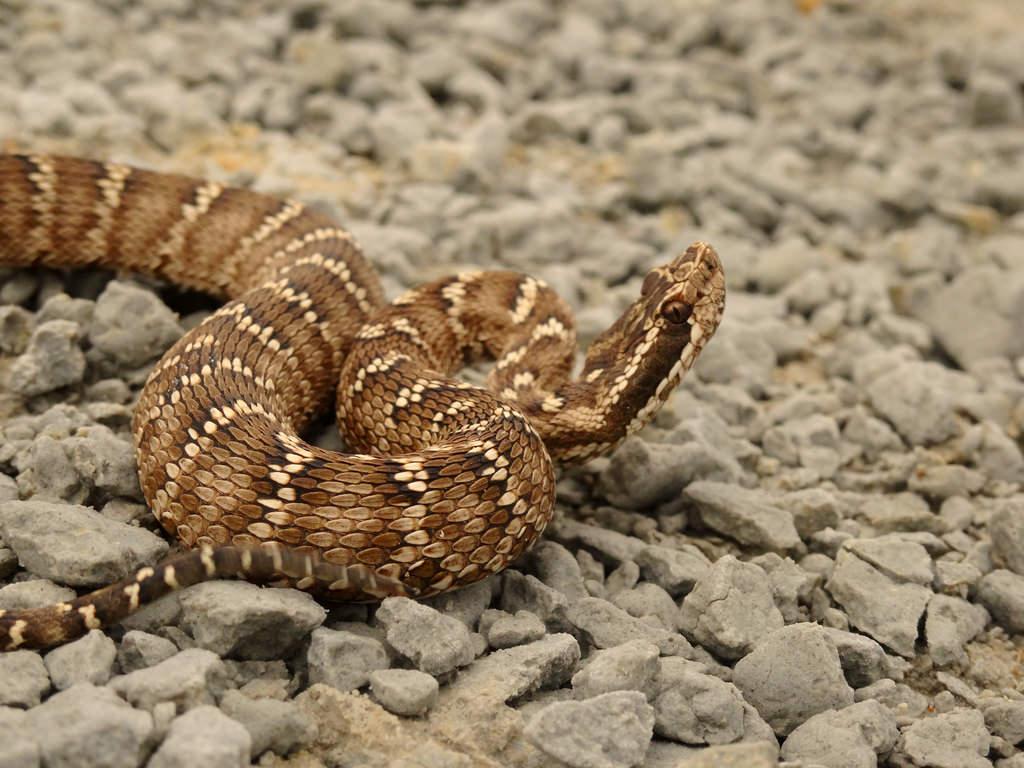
{"x":449,"y":483}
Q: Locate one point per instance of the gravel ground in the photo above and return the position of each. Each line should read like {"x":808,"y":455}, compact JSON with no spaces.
{"x":816,"y":554}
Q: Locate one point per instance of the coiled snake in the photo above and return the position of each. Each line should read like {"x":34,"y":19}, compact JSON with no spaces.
{"x":449,"y":483}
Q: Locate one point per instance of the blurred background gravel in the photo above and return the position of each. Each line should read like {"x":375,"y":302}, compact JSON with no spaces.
{"x":816,"y":554}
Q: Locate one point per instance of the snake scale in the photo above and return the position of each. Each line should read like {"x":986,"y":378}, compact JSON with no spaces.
{"x":447,"y":483}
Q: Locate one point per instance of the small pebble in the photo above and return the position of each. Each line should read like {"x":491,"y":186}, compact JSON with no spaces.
{"x":204,"y":736}
{"x":89,"y":659}
{"x":344,"y":660}
{"x":407,"y":692}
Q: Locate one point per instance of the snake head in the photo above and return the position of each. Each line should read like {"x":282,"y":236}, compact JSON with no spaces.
{"x":685,"y":298}
{"x":641,"y":358}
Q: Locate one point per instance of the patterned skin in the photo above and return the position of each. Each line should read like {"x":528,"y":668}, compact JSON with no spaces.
{"x":448,"y":483}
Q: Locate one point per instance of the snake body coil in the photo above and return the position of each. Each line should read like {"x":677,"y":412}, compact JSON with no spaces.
{"x":449,"y":483}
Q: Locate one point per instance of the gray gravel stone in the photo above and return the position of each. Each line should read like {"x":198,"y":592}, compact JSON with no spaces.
{"x":896,"y":557}
{"x":903,"y":701}
{"x":696,"y":708}
{"x":90,"y":659}
{"x":8,"y":488}
{"x":51,"y":360}
{"x":627,"y":667}
{"x":790,"y":584}
{"x":615,"y":546}
{"x":674,"y":570}
{"x":864,"y":661}
{"x":873,"y":435}
{"x":104,"y":460}
{"x":278,"y":726}
{"x":16,"y":326}
{"x":528,"y":593}
{"x":204,"y":736}
{"x":911,"y":397}
{"x":813,"y":510}
{"x":131,"y":326}
{"x":466,"y":605}
{"x":1002,"y":593}
{"x":625,"y":576}
{"x":75,"y":545}
{"x":23,"y":679}
{"x":557,"y":568}
{"x":993,"y":452}
{"x":993,"y":294}
{"x":344,"y":660}
{"x":240,"y":619}
{"x":20,"y":749}
{"x":513,"y":673}
{"x":649,"y":602}
{"x":956,"y":739}
{"x":730,"y":608}
{"x":139,"y":650}
{"x":749,"y":517}
{"x":1006,"y":527}
{"x":882,"y":608}
{"x":89,"y":726}
{"x":604,"y":625}
{"x":754,"y":755}
{"x":22,"y":595}
{"x":608,"y":731}
{"x":435,"y":643}
{"x":811,"y":442}
{"x":45,"y":471}
{"x":950,"y":624}
{"x":792,"y":674}
{"x":522,"y":628}
{"x":189,"y":679}
{"x":944,"y":481}
{"x":406,"y":692}
{"x":856,"y":736}
{"x":1005,"y":718}
{"x":994,"y":100}
{"x":60,"y":306}
{"x":641,"y":475}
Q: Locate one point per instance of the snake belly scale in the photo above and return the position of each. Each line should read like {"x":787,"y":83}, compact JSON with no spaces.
{"x":447,"y":483}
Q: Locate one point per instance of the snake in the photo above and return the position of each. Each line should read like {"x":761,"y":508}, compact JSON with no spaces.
{"x":442,"y":483}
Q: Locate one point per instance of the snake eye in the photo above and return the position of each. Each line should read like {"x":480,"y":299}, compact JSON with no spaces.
{"x":649,"y":282}
{"x":677,"y":312}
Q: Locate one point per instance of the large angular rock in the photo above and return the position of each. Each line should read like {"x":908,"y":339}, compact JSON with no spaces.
{"x":730,"y":609}
{"x":23,"y":679}
{"x":693,"y":707}
{"x":52,"y":360}
{"x":956,"y":739}
{"x":1002,"y":593}
{"x":612,"y":730}
{"x":204,"y":736}
{"x":86,"y":725}
{"x":76,"y":545}
{"x":627,"y":667}
{"x":854,"y":737}
{"x":131,"y":326}
{"x":750,"y":517}
{"x":435,"y":643}
{"x":951,"y":623}
{"x":887,"y":610}
{"x":913,"y":399}
{"x":996,"y":299}
{"x":234,"y":618}
{"x":344,"y":660}
{"x":793,"y":674}
{"x":189,"y":679}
